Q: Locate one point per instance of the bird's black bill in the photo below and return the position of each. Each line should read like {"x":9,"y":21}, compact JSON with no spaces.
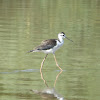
{"x":69,"y":39}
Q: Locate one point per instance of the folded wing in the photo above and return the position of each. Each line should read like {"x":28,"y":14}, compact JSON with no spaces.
{"x":46,"y":44}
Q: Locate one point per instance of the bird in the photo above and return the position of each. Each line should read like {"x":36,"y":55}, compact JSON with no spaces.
{"x":50,"y":46}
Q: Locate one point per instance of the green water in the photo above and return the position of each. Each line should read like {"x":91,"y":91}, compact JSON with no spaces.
{"x":25,"y":23}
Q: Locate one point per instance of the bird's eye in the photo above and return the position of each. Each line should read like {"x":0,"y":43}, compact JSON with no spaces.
{"x":63,"y":35}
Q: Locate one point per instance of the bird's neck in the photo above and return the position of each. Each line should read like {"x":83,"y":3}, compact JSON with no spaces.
{"x":60,"y":39}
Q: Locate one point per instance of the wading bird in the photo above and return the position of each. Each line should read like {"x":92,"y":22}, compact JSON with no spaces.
{"x":50,"y":46}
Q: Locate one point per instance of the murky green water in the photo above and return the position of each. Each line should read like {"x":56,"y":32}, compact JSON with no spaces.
{"x":25,"y":23}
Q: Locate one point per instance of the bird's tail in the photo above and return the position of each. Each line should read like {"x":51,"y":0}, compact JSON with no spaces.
{"x":30,"y":51}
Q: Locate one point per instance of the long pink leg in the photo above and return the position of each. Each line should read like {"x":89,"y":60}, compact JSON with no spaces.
{"x":41,"y":70}
{"x":57,"y":63}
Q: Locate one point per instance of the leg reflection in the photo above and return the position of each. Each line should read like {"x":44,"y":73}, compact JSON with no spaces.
{"x":57,"y":77}
{"x":49,"y":93}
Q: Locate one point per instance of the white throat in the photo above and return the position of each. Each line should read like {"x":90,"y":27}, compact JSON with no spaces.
{"x":60,"y":39}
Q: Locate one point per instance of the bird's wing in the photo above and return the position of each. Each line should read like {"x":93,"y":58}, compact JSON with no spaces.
{"x":46,"y":44}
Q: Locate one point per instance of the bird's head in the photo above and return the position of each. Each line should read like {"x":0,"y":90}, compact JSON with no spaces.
{"x":62,"y":35}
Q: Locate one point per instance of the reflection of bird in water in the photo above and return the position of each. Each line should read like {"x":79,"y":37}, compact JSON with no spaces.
{"x":49,"y":93}
{"x":50,"y":46}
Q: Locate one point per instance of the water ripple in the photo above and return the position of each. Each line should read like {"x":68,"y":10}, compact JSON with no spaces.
{"x":17,"y":71}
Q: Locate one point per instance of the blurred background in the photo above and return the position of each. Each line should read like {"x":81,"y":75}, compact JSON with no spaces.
{"x":25,"y":23}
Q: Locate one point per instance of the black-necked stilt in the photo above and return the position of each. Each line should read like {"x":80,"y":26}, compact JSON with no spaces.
{"x":50,"y":46}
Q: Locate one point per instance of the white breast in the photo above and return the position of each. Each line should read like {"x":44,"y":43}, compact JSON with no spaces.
{"x":59,"y":44}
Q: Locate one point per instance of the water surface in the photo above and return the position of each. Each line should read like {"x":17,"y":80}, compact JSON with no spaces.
{"x":24,"y":24}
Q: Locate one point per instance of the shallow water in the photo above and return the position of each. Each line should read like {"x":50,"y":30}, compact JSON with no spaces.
{"x":24,"y":24}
